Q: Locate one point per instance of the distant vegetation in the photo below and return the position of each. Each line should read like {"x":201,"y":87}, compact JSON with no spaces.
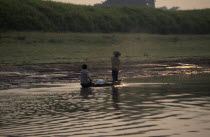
{"x":173,"y":8}
{"x":37,"y":15}
{"x":143,"y":3}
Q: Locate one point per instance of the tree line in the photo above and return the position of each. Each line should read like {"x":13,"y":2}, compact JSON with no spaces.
{"x":37,"y":15}
{"x":142,"y":3}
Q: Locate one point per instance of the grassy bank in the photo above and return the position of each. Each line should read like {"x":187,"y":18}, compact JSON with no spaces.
{"x":37,"y":15}
{"x":38,"y":47}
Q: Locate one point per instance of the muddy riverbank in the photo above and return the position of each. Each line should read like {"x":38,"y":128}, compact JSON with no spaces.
{"x":26,"y":75}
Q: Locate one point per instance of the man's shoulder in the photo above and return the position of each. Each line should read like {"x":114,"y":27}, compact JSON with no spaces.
{"x":84,"y":71}
{"x":113,"y":58}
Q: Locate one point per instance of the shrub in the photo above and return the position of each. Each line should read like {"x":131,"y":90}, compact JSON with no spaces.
{"x":37,"y":15}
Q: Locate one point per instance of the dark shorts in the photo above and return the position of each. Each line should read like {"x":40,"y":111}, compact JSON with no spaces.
{"x":115,"y":75}
{"x":86,"y":85}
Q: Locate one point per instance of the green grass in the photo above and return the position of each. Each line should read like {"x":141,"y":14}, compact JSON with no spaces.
{"x":48,"y":16}
{"x":39,"y":47}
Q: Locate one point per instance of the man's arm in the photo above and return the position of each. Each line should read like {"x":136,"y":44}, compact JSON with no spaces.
{"x":89,"y":77}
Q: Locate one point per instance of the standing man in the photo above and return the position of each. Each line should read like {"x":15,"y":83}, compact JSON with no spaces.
{"x":115,"y":65}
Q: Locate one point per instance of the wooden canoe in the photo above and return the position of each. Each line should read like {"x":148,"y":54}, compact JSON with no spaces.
{"x":108,"y":84}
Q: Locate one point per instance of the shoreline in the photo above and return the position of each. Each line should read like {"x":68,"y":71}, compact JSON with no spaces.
{"x":17,"y":76}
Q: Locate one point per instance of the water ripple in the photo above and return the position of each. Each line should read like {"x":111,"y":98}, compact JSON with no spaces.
{"x":105,"y":112}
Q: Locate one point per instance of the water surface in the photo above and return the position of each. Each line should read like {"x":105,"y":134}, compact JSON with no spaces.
{"x":134,"y":110}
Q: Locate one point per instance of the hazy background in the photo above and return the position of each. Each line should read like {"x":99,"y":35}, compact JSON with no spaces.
{"x":183,"y":4}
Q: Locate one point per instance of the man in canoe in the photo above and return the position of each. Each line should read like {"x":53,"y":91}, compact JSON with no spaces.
{"x":115,"y":65}
{"x":86,"y":80}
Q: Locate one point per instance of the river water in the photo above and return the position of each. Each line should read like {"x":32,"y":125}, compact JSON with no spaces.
{"x":133,"y":109}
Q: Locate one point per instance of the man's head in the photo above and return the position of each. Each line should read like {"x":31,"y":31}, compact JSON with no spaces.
{"x":116,"y":53}
{"x":84,"y":66}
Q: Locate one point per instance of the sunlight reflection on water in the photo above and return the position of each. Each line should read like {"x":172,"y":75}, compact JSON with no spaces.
{"x":132,"y":109}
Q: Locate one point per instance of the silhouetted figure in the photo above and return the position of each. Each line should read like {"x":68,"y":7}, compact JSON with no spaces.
{"x":115,"y":65}
{"x":85,"y":78}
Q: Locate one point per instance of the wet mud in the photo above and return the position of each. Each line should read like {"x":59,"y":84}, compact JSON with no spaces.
{"x":29,"y":75}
